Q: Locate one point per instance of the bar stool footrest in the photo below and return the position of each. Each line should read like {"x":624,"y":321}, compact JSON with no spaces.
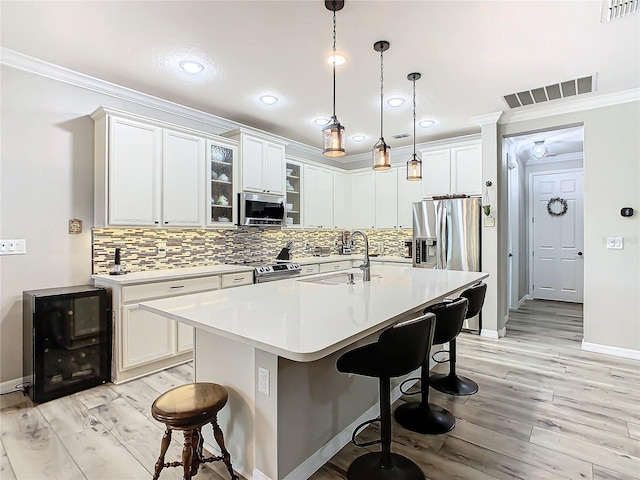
{"x":360,"y":427}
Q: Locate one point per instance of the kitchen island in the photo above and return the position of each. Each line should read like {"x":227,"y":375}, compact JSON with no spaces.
{"x":274,"y":347}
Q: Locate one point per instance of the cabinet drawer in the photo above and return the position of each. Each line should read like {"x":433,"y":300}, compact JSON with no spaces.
{"x":237,"y":279}
{"x":146,"y":291}
{"x":334,"y":266}
{"x":309,"y":269}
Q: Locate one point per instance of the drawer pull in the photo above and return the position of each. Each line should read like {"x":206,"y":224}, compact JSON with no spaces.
{"x":176,"y":287}
{"x":238,"y":279}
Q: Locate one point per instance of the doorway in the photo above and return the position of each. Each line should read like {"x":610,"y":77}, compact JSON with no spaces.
{"x":553,"y":157}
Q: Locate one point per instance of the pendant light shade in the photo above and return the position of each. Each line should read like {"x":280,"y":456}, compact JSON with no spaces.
{"x":333,"y":134}
{"x":381,"y":151}
{"x":414,"y":164}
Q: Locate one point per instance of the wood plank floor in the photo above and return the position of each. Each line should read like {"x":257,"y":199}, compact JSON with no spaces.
{"x":546,"y":409}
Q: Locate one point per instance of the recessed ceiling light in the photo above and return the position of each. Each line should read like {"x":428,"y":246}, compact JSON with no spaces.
{"x":426,"y":123}
{"x":269,"y":99}
{"x":321,"y":121}
{"x":337,"y":59}
{"x":358,"y":138}
{"x":395,"y":102}
{"x":191,"y":67}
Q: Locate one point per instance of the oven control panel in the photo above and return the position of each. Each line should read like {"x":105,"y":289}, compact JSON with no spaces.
{"x":277,"y":268}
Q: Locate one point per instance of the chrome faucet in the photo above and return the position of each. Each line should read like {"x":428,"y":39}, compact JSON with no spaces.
{"x":366,"y":266}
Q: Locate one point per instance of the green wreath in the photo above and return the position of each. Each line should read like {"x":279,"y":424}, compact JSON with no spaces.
{"x":552,"y":202}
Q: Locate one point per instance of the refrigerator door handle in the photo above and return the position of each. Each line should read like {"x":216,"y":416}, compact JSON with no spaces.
{"x":441,"y":248}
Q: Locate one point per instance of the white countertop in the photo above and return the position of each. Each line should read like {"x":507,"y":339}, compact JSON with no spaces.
{"x":305,"y":321}
{"x":170,"y":274}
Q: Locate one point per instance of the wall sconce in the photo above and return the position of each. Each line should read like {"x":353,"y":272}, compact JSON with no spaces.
{"x":486,"y":203}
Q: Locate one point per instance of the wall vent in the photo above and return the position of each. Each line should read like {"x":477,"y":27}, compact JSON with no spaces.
{"x":615,"y":9}
{"x":401,"y":135}
{"x":569,"y":88}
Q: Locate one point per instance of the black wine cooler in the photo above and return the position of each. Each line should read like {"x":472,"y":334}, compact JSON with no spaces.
{"x":67,"y":340}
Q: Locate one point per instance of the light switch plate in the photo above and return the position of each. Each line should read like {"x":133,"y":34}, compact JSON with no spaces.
{"x":615,"y":243}
{"x":263,"y":380}
{"x":13,"y":247}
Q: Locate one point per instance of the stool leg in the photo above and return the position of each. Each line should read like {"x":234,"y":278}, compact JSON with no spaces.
{"x":196,"y":441}
{"x":226,"y":457}
{"x":166,"y":440}
{"x":385,"y":421}
{"x":187,"y":454}
{"x":450,"y":383}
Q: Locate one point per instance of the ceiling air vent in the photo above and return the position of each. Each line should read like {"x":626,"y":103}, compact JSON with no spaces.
{"x":569,"y":88}
{"x":615,"y":9}
{"x":401,"y":135}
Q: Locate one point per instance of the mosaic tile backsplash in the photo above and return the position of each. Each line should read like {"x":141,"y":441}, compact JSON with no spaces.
{"x":201,"y":247}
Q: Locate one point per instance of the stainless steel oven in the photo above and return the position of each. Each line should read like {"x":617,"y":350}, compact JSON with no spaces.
{"x":280,"y":271}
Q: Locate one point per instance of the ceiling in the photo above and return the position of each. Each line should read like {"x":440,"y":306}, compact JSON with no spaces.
{"x":470,"y":54}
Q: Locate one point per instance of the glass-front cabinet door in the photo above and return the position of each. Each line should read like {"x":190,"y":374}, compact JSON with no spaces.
{"x":294,"y":199}
{"x":222,"y":183}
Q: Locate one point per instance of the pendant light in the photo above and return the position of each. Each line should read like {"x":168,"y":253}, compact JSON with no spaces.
{"x":539,"y":150}
{"x":333,"y":133}
{"x":414,"y":164}
{"x":381,"y":151}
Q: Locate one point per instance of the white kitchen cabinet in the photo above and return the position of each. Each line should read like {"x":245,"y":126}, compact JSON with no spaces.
{"x":295,"y":191}
{"x":318,"y":197}
{"x":454,"y":170}
{"x":150,"y":173}
{"x":262,"y":163}
{"x":182,"y":179}
{"x":341,"y":201}
{"x":146,"y":337}
{"x":309,"y":269}
{"x":408,"y":193}
{"x":335,"y":266}
{"x":128,"y":172}
{"x":184,"y":342}
{"x":363,"y":200}
{"x":386,"y":205}
{"x":222,"y":168}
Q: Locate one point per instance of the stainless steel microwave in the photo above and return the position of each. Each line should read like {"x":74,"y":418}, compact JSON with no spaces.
{"x":261,"y":210}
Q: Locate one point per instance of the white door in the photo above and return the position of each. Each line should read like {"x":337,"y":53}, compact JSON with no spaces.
{"x":558,"y":267}
{"x":341,"y":200}
{"x":252,"y":164}
{"x":325,"y":198}
{"x":146,"y":337}
{"x":408,"y":193}
{"x":436,"y":173}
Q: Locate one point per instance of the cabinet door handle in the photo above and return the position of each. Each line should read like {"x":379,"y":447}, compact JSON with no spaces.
{"x":239,"y":279}
{"x":176,"y":287}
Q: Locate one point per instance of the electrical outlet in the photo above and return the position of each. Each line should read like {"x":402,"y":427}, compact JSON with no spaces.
{"x":161,"y":249}
{"x":263,"y":380}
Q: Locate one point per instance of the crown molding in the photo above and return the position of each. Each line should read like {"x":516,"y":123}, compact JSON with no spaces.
{"x":488,"y":118}
{"x":572,"y":104}
{"x":561,"y":157}
{"x":19,"y":61}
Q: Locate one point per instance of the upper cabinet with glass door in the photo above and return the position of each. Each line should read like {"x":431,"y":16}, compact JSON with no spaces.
{"x":294,"y":194}
{"x":222,"y":183}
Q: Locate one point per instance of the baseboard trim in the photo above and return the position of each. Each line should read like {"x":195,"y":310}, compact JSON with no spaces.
{"x":613,"y":351}
{"x":333,"y":446}
{"x":10,"y":385}
{"x":485,"y":332}
{"x":258,"y":475}
{"x":502,"y":332}
{"x":524,"y":299}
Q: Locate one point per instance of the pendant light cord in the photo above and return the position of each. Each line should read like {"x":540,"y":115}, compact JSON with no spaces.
{"x":381,"y":92}
{"x":414,"y":118}
{"x":334,"y":60}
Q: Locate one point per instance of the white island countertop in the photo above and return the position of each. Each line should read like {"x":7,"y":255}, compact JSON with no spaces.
{"x":304,"y":321}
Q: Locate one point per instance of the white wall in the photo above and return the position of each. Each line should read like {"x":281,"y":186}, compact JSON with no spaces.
{"x":611,"y":179}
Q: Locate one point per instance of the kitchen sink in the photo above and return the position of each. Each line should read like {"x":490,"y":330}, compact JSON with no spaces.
{"x":335,"y":279}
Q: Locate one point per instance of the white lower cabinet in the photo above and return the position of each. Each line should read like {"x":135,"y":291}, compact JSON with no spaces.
{"x":335,"y":266}
{"x":145,"y":342}
{"x":309,"y":269}
{"x":146,"y":337}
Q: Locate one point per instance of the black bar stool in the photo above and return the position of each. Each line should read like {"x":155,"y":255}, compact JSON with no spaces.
{"x":451,"y":383}
{"x":398,"y":351}
{"x":422,"y":416}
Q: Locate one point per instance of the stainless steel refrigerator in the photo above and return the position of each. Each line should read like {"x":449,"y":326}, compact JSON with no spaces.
{"x":446,"y":235}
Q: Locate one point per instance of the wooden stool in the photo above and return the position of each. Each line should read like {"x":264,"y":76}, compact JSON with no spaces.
{"x":188,"y":408}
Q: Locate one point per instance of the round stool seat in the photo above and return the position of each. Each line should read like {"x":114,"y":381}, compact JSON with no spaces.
{"x":189,"y":406}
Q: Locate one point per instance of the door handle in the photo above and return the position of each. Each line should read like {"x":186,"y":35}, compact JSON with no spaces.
{"x":510,"y":255}
{"x":579,"y":254}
